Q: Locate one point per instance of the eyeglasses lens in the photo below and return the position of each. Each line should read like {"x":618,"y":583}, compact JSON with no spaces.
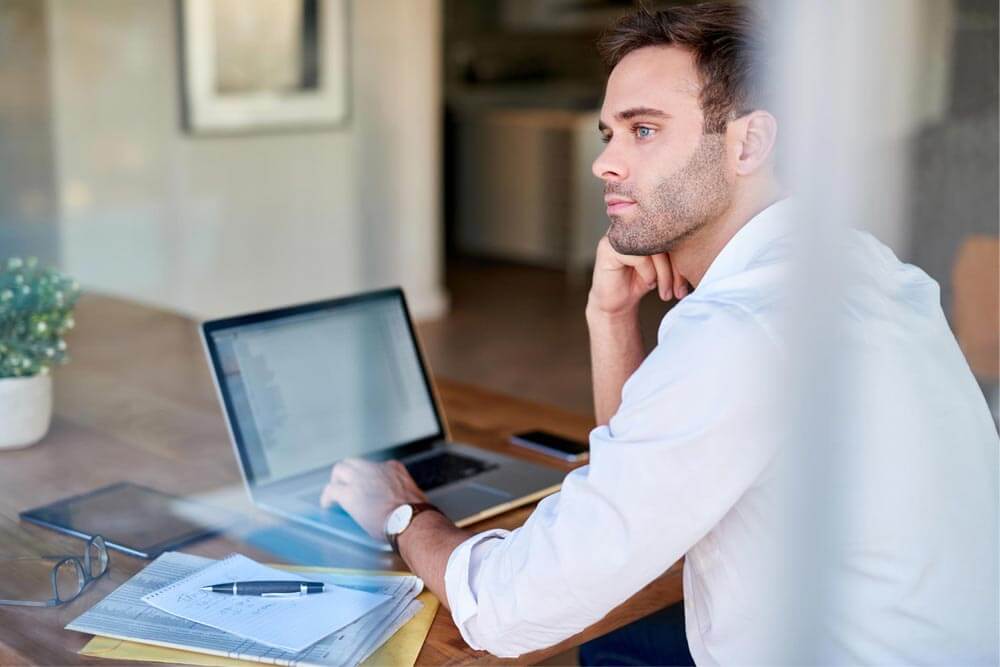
{"x":98,"y":557}
{"x":69,"y":580}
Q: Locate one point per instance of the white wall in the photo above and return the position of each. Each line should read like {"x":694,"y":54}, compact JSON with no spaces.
{"x":211,"y":226}
{"x":28,"y":208}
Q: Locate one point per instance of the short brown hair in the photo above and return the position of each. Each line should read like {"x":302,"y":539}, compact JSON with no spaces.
{"x":724,"y":39}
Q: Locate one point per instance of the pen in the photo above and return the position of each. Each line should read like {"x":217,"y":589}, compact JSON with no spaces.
{"x":267,"y":588}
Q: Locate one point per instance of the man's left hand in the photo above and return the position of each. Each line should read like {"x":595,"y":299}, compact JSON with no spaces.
{"x":369,"y":491}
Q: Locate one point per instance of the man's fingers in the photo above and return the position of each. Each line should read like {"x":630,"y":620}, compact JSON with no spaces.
{"x":664,"y":275}
{"x":340,"y":472}
{"x":680,"y":284}
{"x":647,"y":272}
{"x":329,"y":495}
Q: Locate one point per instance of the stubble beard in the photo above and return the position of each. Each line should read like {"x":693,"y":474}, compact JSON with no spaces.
{"x":679,"y":206}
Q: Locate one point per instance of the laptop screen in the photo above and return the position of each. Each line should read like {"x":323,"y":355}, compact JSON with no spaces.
{"x":307,"y":386}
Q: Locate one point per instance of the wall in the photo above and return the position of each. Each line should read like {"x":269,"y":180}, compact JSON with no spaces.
{"x":217,"y":225}
{"x":28,"y":206}
{"x":953,"y":184}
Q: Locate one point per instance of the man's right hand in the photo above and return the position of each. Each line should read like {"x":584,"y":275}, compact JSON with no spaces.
{"x":616,"y":349}
{"x":620,"y":281}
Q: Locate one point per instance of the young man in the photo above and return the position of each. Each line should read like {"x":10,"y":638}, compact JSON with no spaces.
{"x":684,"y":459}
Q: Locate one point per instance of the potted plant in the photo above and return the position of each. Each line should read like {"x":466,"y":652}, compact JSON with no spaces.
{"x":36,"y":309}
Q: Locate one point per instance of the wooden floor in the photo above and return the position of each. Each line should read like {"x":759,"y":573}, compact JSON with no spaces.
{"x":519,"y":330}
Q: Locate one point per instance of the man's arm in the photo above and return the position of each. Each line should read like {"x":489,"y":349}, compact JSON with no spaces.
{"x":709,"y":435}
{"x":616,"y":348}
{"x":426,"y":546}
{"x":370,"y":491}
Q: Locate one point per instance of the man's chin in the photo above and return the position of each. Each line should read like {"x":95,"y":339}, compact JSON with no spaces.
{"x":625,"y":243}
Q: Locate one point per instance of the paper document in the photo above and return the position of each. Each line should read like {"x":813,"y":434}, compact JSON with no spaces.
{"x":123,"y":615}
{"x":292,"y":623}
{"x":401,"y":650}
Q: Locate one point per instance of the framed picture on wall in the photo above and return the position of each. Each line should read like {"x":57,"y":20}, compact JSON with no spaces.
{"x":263,"y":65}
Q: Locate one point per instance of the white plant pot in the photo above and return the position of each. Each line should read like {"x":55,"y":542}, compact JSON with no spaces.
{"x":25,"y":410}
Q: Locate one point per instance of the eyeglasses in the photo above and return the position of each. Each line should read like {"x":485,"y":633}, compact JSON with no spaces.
{"x":68,"y":576}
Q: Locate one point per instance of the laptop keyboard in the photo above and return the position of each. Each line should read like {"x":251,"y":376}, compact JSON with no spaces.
{"x":432,"y":472}
{"x":445,"y":468}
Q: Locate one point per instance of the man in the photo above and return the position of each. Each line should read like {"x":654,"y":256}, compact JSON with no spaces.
{"x":685,"y":458}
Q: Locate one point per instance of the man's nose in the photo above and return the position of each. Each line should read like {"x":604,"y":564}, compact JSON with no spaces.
{"x":609,"y":165}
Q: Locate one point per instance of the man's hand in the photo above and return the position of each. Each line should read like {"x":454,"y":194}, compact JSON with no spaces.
{"x":369,"y":491}
{"x":620,"y":281}
{"x":616,"y":349}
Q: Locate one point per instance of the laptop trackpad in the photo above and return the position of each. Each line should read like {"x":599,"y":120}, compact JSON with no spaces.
{"x":468,"y":499}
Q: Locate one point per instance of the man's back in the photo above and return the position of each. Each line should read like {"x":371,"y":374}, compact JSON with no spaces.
{"x":910,"y":574}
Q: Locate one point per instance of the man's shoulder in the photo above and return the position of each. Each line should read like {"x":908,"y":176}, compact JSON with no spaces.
{"x":736,"y":315}
{"x":703,"y":343}
{"x":711,"y":359}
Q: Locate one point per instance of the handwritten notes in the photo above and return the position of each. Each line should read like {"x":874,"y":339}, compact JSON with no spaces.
{"x":292,"y":623}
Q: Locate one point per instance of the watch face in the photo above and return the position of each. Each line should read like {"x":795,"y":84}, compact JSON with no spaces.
{"x":399,"y":519}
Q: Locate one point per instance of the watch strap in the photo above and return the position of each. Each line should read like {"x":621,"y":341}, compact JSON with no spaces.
{"x":417,"y":509}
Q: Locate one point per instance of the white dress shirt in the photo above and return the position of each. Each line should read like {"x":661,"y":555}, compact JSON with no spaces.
{"x":687,"y":466}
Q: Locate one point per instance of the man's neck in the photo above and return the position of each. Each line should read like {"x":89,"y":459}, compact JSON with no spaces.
{"x":695,"y":254}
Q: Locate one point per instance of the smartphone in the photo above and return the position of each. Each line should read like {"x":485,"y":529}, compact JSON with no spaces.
{"x":551,"y":444}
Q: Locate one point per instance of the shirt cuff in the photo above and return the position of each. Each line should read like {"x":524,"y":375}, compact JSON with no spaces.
{"x":460,"y":578}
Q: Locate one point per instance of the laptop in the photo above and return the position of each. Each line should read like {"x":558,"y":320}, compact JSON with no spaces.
{"x":306,"y":386}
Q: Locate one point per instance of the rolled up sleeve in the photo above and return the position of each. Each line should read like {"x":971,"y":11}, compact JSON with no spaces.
{"x":460,"y":578}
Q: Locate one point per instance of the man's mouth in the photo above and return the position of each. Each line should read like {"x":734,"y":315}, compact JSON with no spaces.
{"x":617,"y":205}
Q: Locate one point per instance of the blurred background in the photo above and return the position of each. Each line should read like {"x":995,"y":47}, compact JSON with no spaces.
{"x":212,"y":157}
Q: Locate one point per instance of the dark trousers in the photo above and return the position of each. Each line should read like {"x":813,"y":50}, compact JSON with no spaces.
{"x":657,"y":639}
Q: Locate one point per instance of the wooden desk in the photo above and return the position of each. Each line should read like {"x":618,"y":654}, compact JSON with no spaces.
{"x":136,"y":403}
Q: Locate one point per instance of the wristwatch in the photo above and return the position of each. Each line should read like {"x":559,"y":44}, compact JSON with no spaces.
{"x":400,"y":518}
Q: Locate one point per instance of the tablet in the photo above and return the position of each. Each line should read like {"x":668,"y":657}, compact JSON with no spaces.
{"x":133,"y":519}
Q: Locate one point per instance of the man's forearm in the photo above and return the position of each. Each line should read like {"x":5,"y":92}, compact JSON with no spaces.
{"x":426,"y":546}
{"x":615,"y":352}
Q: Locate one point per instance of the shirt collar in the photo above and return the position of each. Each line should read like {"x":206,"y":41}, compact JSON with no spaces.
{"x":750,"y":241}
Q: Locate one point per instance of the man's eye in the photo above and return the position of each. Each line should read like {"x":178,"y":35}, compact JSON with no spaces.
{"x":605,"y":138}
{"x":643,"y":132}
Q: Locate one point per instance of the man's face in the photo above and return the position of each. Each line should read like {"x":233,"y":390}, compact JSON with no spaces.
{"x":663,"y":178}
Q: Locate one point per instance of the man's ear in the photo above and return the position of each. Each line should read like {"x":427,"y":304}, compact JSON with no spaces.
{"x":756,"y":134}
